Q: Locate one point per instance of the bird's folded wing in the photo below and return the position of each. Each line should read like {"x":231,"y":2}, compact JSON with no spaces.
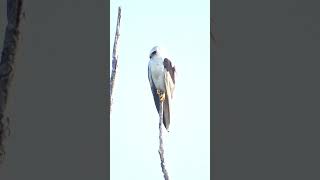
{"x":169,"y":85}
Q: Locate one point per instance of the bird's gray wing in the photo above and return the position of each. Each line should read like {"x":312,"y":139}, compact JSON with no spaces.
{"x":154,"y":90}
{"x":169,"y":78}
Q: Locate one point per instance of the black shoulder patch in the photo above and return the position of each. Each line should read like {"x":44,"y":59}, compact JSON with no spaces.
{"x":168,"y":66}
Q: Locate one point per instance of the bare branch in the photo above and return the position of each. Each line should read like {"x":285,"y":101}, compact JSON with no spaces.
{"x":161,"y":149}
{"x":115,"y":56}
{"x":14,"y":9}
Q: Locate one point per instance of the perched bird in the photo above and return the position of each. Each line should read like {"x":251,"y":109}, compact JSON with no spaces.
{"x":161,"y":74}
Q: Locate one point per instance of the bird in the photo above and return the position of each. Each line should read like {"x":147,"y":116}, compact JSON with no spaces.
{"x":161,"y":75}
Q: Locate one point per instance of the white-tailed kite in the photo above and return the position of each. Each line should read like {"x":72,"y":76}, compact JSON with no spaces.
{"x":161,"y":74}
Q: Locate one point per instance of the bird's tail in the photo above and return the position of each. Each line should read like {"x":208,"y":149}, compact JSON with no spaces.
{"x":166,"y":112}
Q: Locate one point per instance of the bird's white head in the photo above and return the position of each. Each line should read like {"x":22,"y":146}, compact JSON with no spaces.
{"x":155,"y":51}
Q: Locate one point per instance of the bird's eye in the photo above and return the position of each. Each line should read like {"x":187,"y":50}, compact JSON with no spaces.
{"x":153,"y":53}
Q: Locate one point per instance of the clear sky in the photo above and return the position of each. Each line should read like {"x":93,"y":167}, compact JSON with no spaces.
{"x":183,"y":29}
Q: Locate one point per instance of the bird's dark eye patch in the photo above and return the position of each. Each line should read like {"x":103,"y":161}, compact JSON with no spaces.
{"x":153,"y":53}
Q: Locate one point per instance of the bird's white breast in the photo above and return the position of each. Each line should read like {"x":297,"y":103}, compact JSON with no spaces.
{"x":157,"y":72}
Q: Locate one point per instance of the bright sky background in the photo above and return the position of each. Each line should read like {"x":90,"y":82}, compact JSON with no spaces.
{"x":182,"y":28}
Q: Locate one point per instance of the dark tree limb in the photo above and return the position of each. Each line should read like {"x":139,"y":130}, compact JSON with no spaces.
{"x":161,"y":149}
{"x":11,"y":39}
{"x":115,"y":56}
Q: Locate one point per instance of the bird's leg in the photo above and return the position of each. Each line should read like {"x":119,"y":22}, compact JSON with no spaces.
{"x":161,"y":95}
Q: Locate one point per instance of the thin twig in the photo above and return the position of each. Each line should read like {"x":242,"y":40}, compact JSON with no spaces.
{"x":14,"y":9}
{"x":161,"y":149}
{"x":115,"y":56}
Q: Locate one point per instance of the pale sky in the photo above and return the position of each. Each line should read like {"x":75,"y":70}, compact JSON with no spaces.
{"x":182,"y":28}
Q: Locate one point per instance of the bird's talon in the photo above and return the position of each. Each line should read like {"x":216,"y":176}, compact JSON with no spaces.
{"x":162,"y":97}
